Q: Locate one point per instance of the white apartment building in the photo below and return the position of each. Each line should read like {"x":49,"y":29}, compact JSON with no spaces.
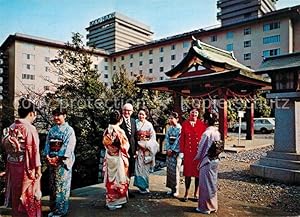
{"x":26,"y":66}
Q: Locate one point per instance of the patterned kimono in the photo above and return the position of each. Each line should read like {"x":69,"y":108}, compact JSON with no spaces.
{"x":189,"y":139}
{"x":208,"y":172}
{"x":174,"y":161}
{"x":61,"y":175}
{"x":116,"y":165}
{"x":147,"y":149}
{"x":21,"y":185}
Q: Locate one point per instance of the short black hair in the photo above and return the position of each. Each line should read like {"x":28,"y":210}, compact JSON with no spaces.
{"x":145,"y":109}
{"x":174,"y":114}
{"x":212,"y":119}
{"x":115,"y":117}
{"x":25,"y":107}
{"x":59,"y":111}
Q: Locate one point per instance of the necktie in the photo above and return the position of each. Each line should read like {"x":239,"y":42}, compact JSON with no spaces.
{"x":128,"y":125}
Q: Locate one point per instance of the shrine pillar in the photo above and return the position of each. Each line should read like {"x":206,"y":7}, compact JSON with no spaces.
{"x":249,"y":120}
{"x":177,"y":105}
{"x":223,"y":128}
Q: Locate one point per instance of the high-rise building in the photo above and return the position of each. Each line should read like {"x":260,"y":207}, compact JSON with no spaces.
{"x":234,"y":11}
{"x":115,"y":32}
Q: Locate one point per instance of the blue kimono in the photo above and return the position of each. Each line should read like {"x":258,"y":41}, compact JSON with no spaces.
{"x":174,"y":161}
{"x":61,"y":175}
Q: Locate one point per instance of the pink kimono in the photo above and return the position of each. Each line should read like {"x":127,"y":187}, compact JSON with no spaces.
{"x":22,"y":188}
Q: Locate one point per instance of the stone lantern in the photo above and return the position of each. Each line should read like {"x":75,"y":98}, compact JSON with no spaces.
{"x":283,"y":163}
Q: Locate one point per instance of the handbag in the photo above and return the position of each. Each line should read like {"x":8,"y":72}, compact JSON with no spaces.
{"x":216,"y":148}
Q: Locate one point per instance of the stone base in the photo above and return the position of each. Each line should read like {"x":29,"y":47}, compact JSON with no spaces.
{"x":279,"y":166}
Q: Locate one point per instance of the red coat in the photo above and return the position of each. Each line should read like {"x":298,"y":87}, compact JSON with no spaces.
{"x":189,"y":140}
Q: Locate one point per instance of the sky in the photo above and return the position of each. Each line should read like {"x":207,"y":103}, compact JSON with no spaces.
{"x":57,"y":19}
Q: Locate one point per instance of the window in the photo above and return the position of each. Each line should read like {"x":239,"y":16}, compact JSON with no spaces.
{"x":173,"y":57}
{"x":28,"y":76}
{"x":130,"y":64}
{"x":213,"y":38}
{"x":46,"y":88}
{"x":131,"y":56}
{"x":95,"y":66}
{"x":115,"y":59}
{"x":271,"y":26}
{"x":141,"y":72}
{"x":229,"y":35}
{"x":150,"y":61}
{"x":47,"y":69}
{"x":141,"y":63}
{"x":229,"y":47}
{"x":47,"y":59}
{"x":105,"y":67}
{"x":161,"y":78}
{"x":141,"y":54}
{"x":186,"y":44}
{"x":105,"y":75}
{"x":150,"y":52}
{"x":271,"y":39}
{"x":172,"y":66}
{"x":173,"y":47}
{"x":247,"y":31}
{"x":247,"y":43}
{"x":161,"y":59}
{"x":161,"y":69}
{"x":28,"y":67}
{"x":106,"y":59}
{"x":272,"y":52}
{"x":114,"y":67}
{"x":247,"y":56}
{"x":161,"y":49}
{"x":122,"y":57}
{"x":150,"y":71}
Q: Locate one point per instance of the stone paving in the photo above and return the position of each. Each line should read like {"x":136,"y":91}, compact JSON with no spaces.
{"x":89,"y":202}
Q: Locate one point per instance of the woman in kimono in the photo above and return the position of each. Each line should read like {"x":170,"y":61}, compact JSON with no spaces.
{"x":116,"y":163}
{"x":174,"y":158}
{"x":208,"y":169}
{"x":146,"y":151}
{"x":59,"y":152}
{"x":191,"y":132}
{"x":21,"y":142}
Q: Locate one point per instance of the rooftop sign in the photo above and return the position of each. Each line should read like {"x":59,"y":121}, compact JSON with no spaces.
{"x":102,"y":19}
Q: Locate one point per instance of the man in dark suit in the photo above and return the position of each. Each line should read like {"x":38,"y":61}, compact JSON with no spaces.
{"x":129,"y":126}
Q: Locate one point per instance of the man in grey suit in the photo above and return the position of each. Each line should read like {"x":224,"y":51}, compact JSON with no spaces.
{"x":129,"y":126}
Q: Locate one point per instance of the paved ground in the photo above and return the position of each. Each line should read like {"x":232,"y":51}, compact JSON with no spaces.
{"x":89,"y":202}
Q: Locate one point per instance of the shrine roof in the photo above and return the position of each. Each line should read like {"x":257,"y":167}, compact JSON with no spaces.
{"x":281,"y":62}
{"x":214,"y":56}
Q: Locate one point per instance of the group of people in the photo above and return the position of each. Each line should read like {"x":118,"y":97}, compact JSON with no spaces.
{"x":190,"y":143}
{"x":130,"y":146}
{"x":23,"y":163}
{"x":130,"y":151}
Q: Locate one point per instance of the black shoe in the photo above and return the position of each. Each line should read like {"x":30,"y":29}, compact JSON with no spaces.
{"x":131,"y":195}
